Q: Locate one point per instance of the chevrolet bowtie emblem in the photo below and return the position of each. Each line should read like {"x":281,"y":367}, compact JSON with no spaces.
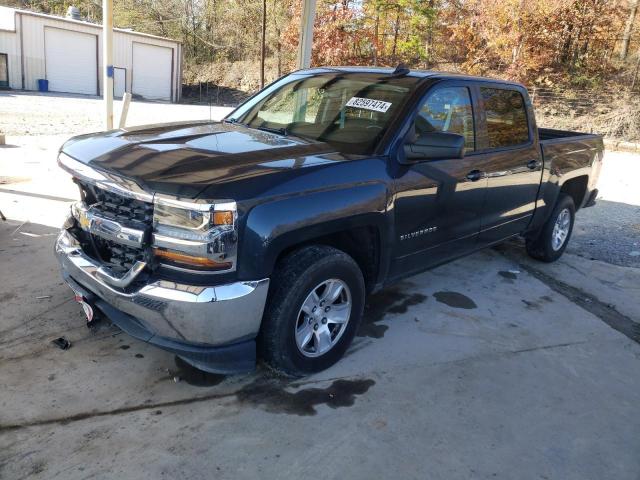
{"x":84,"y":220}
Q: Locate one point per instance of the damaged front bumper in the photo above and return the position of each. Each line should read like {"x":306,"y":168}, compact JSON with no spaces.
{"x":211,"y":327}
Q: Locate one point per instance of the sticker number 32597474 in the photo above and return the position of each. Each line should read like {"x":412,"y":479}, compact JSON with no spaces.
{"x":368,"y":104}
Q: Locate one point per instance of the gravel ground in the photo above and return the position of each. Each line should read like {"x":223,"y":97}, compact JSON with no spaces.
{"x":610,"y":231}
{"x":29,"y":113}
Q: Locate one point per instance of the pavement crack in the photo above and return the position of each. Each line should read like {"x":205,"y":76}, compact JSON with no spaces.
{"x":605,"y":312}
{"x":116,"y":411}
{"x":154,"y":406}
{"x":547,"y":347}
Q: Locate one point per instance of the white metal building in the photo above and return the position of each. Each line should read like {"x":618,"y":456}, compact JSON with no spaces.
{"x":67,"y":53}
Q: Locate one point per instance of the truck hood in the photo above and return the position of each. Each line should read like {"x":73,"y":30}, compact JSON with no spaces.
{"x":192,"y":160}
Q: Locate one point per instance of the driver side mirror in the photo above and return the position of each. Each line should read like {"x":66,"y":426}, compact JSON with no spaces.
{"x":435,"y":146}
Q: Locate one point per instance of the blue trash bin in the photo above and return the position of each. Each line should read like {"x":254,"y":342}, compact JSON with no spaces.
{"x":43,"y":85}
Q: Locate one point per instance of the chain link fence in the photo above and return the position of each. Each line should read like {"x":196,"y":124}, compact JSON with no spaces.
{"x":613,"y":113}
{"x":208,"y":93}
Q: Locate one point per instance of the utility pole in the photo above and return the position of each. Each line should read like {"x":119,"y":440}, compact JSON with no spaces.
{"x":107,"y":61}
{"x":263,"y":47}
{"x":306,"y":33}
{"x":375,"y":40}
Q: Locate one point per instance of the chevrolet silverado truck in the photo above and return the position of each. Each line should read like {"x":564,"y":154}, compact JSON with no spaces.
{"x":262,"y":234}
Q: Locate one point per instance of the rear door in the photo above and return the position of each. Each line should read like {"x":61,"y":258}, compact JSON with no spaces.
{"x":506,"y":136}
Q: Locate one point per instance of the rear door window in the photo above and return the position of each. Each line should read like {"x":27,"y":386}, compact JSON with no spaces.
{"x":507,"y":124}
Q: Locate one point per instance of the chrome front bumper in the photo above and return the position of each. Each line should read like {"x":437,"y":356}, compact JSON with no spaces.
{"x":216,"y":316}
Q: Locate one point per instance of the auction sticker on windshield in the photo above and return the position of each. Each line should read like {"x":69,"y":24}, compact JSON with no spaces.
{"x":369,"y":104}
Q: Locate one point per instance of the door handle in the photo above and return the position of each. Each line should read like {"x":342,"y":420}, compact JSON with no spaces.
{"x":533,"y":164}
{"x":475,"y":175}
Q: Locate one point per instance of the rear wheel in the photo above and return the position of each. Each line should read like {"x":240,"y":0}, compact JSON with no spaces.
{"x":314,"y":309}
{"x":554,"y":236}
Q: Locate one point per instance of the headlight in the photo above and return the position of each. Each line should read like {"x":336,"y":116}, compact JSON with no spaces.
{"x":198,"y":217}
{"x":195,"y":235}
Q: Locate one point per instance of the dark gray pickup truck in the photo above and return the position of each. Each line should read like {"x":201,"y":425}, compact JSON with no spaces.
{"x":262,"y":234}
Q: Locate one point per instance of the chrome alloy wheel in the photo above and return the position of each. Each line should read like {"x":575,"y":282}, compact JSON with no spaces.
{"x":561,"y":229}
{"x":323,"y":318}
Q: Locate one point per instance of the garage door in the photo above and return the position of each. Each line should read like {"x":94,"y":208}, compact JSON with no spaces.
{"x":151,"y":71}
{"x":71,"y":61}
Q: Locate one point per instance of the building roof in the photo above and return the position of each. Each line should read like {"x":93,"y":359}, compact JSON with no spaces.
{"x":87,"y":24}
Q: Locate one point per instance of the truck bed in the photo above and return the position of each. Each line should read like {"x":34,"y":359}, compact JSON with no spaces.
{"x":573,"y":153}
{"x":550,"y":135}
{"x":569,"y":150}
{"x":573,"y":146}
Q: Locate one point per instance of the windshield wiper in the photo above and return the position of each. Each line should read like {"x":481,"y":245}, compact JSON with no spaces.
{"x":280,"y":131}
{"x":233,"y":121}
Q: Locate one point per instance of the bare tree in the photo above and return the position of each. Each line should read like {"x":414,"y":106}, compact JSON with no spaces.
{"x":636,"y":71}
{"x":628,"y":28}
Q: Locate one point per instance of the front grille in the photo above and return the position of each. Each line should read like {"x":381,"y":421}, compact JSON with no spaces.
{"x":120,"y":257}
{"x":126,"y":211}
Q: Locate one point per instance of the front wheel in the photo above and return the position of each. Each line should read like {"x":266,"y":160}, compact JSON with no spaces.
{"x":314,"y":309}
{"x":554,"y":236}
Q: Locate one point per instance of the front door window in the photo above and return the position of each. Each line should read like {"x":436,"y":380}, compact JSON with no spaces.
{"x":448,"y":110}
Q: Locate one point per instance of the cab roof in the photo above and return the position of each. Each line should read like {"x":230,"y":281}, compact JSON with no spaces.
{"x":412,"y":73}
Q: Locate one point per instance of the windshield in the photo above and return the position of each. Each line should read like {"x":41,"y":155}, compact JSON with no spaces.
{"x":350,"y":111}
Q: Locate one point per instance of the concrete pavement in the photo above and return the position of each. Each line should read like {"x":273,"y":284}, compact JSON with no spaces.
{"x":476,"y":369}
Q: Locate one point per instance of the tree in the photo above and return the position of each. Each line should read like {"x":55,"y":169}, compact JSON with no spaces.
{"x":628,"y":28}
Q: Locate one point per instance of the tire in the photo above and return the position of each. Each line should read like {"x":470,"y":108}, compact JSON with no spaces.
{"x":546,"y":246}
{"x":286,"y":324}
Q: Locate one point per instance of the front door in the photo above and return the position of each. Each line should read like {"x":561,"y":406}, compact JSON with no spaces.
{"x":438,"y":203}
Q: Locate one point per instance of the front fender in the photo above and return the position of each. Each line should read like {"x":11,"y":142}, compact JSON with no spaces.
{"x":275,"y":226}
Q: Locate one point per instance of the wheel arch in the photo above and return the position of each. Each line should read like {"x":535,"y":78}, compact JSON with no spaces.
{"x":354,"y":220}
{"x":576,"y":188}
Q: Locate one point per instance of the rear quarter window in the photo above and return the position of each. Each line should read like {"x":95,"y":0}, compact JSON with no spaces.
{"x":507,"y":123}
